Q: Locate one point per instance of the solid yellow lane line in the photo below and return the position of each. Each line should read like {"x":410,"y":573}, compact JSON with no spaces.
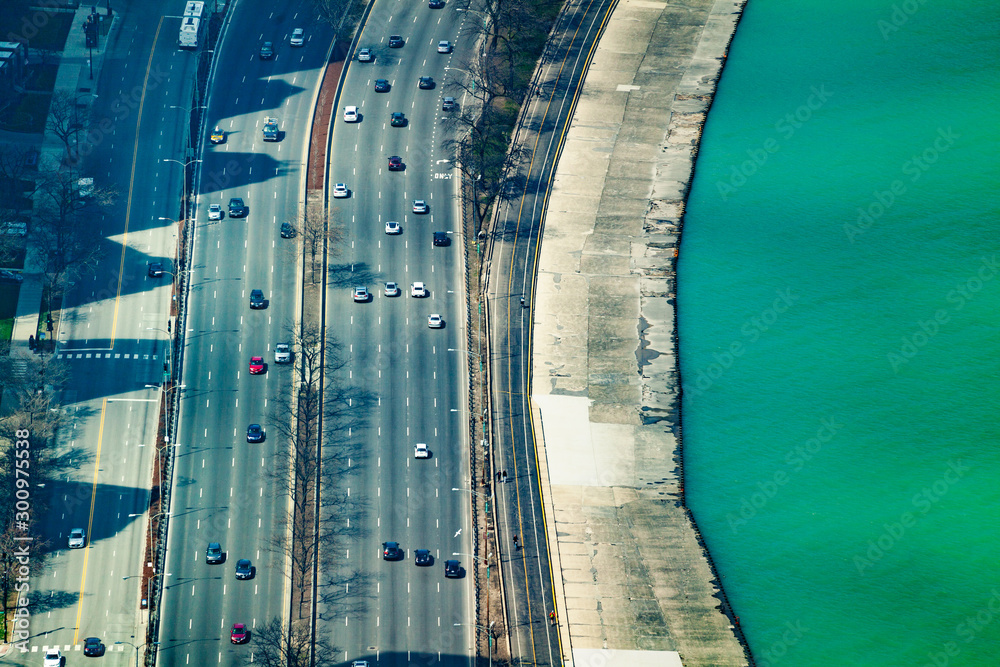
{"x":90,"y":524}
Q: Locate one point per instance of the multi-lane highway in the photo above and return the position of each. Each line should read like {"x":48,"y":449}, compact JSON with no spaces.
{"x":513,"y":256}
{"x":222,"y":487}
{"x":411,"y":378}
{"x":112,"y":337}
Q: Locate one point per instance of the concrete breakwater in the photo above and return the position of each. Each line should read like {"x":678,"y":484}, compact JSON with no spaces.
{"x":633,"y":578}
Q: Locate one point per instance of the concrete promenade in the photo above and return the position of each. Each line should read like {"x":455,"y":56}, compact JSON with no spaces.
{"x":633,"y":584}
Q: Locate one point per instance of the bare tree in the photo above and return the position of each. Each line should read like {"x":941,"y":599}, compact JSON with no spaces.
{"x":64,"y":121}
{"x":343,"y":15}
{"x":66,"y":227}
{"x":320,"y":235}
{"x":273,"y":646}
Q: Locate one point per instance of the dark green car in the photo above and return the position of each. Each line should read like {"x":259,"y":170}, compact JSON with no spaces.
{"x":398,"y":119}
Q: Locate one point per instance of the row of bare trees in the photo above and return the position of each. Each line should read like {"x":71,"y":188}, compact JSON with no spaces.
{"x":512,"y":36}
{"x":28,"y":463}
{"x":305,"y":476}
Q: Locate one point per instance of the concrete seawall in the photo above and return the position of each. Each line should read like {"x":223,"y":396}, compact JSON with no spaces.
{"x":634,"y":583}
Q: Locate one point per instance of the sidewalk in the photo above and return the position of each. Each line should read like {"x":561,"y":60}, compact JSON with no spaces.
{"x":73,"y":76}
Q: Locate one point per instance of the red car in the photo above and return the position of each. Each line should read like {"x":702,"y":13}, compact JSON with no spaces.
{"x":396,"y":163}
{"x":239,"y":635}
{"x":256,"y":365}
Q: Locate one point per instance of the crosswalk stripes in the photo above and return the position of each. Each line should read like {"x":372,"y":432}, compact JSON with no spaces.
{"x":104,"y":355}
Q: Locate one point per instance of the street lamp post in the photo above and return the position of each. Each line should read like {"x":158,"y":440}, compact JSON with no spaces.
{"x":137,"y":648}
{"x":184,"y":198}
{"x":149,"y":585}
{"x":489,"y":635}
{"x":190,"y":142}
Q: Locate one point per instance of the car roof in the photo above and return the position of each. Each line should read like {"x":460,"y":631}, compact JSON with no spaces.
{"x":214,"y":545}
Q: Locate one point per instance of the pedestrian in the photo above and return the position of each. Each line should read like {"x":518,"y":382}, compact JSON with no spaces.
{"x":499,"y":475}
{"x":31,"y":342}
{"x":505,"y":476}
{"x":515,"y":543}
{"x":552,"y":618}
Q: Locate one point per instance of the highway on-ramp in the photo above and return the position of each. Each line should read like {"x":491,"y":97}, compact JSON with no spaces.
{"x":407,"y":383}
{"x":222,"y":487}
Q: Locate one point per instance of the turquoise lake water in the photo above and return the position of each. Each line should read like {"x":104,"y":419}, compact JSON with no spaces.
{"x":839,"y":312}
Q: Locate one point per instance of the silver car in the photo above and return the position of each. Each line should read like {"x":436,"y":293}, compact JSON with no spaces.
{"x":77,"y":538}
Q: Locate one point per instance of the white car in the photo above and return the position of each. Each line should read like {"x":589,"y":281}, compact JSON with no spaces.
{"x":77,"y":537}
{"x":419,"y":206}
{"x":215,"y":212}
{"x":365,"y":55}
{"x":282,"y":353}
{"x":53,"y":658}
{"x":392,"y":227}
{"x":418,"y":290}
{"x":298,"y":37}
{"x":420,"y":451}
{"x":350,"y":114}
{"x":444,"y":46}
{"x":435,"y":321}
{"x":391,"y":289}
{"x":340,"y":191}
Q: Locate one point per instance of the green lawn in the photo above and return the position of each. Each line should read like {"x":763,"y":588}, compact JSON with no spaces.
{"x":8,"y":308}
{"x":28,"y":115}
{"x":42,"y":77}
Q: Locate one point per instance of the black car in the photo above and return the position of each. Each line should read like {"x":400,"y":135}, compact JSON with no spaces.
{"x":255,"y":433}
{"x":154,"y":270}
{"x":256,"y":299}
{"x":395,"y":42}
{"x":441,"y":238}
{"x":425,"y":83}
{"x":382,"y":85}
{"x":452,"y":569}
{"x":398,"y":119}
{"x":435,"y":4}
{"x":391,"y":551}
{"x":213,"y":554}
{"x":92,"y":647}
{"x":396,"y":163}
{"x":287,"y":231}
{"x":237,"y":209}
{"x":244,"y":568}
{"x":266,"y":51}
{"x":423,"y":557}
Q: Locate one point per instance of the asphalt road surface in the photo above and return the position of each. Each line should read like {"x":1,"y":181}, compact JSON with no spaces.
{"x":407,"y":383}
{"x":222,"y":490}
{"x":112,"y":339}
{"x":527,"y":573}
